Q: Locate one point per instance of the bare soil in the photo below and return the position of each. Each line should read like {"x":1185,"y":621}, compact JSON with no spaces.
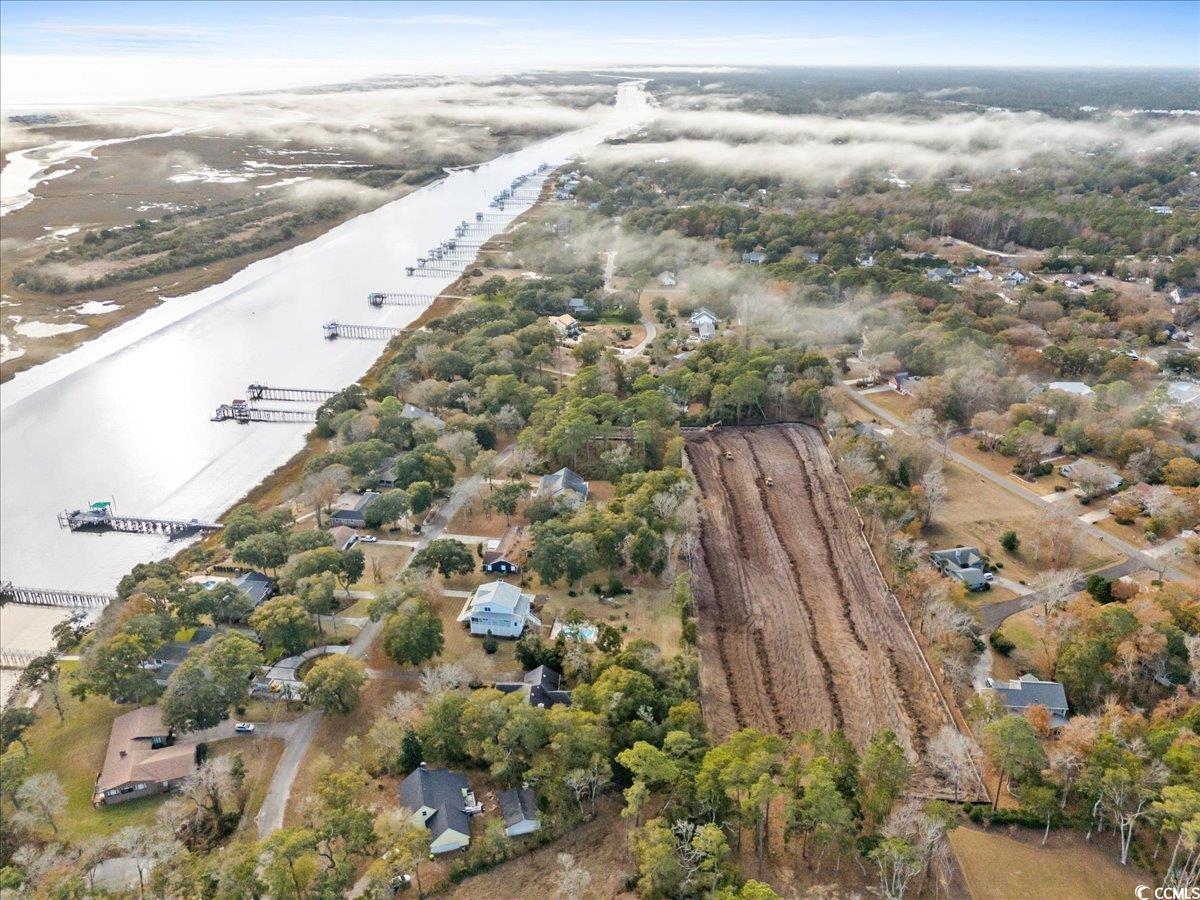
{"x":797,"y":628}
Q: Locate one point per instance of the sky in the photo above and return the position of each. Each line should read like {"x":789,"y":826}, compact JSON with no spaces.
{"x":100,"y":52}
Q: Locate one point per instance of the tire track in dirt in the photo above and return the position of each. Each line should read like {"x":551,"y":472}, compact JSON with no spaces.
{"x":707,"y":467}
{"x":756,"y":633}
{"x":830,"y":685}
{"x":908,"y":710}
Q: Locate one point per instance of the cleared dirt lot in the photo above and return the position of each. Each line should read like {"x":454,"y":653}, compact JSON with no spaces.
{"x":797,"y":629}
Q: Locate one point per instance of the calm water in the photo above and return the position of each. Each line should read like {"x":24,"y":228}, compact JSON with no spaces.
{"x":126,"y":416}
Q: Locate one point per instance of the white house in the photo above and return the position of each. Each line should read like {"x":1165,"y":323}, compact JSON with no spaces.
{"x":442,"y":801}
{"x":1078,"y":388}
{"x":500,"y":609}
{"x":667,"y":279}
{"x":704,"y":322}
{"x":565,"y":325}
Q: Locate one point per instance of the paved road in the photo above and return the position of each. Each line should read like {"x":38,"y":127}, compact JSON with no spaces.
{"x":1134,"y":553}
{"x":991,"y":616}
{"x":300,"y":737}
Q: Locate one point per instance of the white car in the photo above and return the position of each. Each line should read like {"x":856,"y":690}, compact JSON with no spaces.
{"x":244,"y":727}
{"x":989,"y":576}
{"x":368,"y":539}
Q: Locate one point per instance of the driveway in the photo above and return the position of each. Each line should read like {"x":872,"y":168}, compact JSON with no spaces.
{"x":1136,"y":554}
{"x":302,"y":730}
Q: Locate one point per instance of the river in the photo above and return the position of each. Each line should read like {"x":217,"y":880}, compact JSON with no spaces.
{"x":126,"y":417}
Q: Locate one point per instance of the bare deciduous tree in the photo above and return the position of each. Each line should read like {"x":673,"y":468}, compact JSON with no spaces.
{"x":573,"y":879}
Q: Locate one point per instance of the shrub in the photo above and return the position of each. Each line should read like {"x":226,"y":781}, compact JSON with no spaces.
{"x":1100,"y":588}
{"x":1001,"y":643}
{"x":490,"y":644}
{"x":1010,"y":541}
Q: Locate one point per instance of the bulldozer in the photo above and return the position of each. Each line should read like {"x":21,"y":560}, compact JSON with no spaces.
{"x":729,"y":454}
{"x":712,"y":426}
{"x":769,"y":481}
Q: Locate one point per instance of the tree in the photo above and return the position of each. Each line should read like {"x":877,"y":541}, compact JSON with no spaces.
{"x":572,"y":878}
{"x":1042,"y":801}
{"x":40,"y":799}
{"x":193,"y":700}
{"x":316,"y":593}
{"x":744,"y":770}
{"x":447,"y":556}
{"x":332,"y":684}
{"x":413,"y":634}
{"x":824,"y":815}
{"x":933,"y":484}
{"x":43,"y":674}
{"x":14,"y":768}
{"x":13,"y":722}
{"x":388,"y":508}
{"x":420,"y":494}
{"x":263,"y":551}
{"x":1010,"y":541}
{"x":288,"y":863}
{"x":1093,"y":478}
{"x":485,"y":465}
{"x":351,"y":567}
{"x":115,"y":668}
{"x":1013,"y":748}
{"x":284,"y":624}
{"x":505,"y":498}
{"x":899,"y":862}
{"x":950,"y":755}
{"x":1179,"y":811}
{"x":884,"y":776}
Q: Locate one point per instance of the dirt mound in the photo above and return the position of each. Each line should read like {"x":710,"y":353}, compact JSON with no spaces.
{"x":797,"y":628}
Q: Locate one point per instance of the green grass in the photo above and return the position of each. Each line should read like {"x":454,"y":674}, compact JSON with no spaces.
{"x":74,"y":751}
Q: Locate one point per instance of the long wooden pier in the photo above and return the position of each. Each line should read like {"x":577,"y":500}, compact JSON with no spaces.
{"x":244,"y":413}
{"x":27,"y":596}
{"x":431,"y":269}
{"x":100,"y":517}
{"x":16,"y":658}
{"x":288,"y":394}
{"x":365,"y":332}
{"x":382,"y":298}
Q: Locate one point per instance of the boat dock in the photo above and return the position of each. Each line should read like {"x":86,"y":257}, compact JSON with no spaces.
{"x":289,"y":394}
{"x":365,"y":332}
{"x":245,"y":413}
{"x":382,"y":298}
{"x":100,"y":517}
{"x":27,"y":596}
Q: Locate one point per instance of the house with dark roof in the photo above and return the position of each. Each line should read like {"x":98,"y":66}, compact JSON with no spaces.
{"x":564,"y":483}
{"x":754,"y":258}
{"x":169,"y":656}
{"x":518,"y":808}
{"x":343,"y":536}
{"x":1020,"y":694}
{"x":257,"y":587}
{"x":580,"y":308}
{"x":964,"y":563}
{"x":353,"y":515}
{"x":540,"y":686}
{"x":499,"y":557}
{"x":143,"y":758}
{"x":385,"y":475}
{"x":441,"y":800}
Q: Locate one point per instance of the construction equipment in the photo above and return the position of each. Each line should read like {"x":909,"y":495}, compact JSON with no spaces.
{"x":729,"y":454}
{"x":712,"y":426}
{"x":770,"y":481}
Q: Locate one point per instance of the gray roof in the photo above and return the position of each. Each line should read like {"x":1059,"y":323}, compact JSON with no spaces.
{"x":517,"y":805}
{"x":441,"y":790}
{"x":255,"y":585}
{"x":1026,"y":691}
{"x":541,"y":687}
{"x":563,"y":480}
{"x":963,"y":563}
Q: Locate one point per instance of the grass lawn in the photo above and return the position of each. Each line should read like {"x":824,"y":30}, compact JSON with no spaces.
{"x":978,"y":512}
{"x":74,"y":751}
{"x":998,"y":867}
{"x":260,"y":756}
{"x":646,"y":613}
{"x":1003,"y":465}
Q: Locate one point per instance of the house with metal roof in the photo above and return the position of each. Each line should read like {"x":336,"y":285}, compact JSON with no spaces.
{"x":564,"y":483}
{"x":500,"y":609}
{"x":1020,"y":694}
{"x":518,"y":808}
{"x":964,"y":563}
{"x":441,"y":800}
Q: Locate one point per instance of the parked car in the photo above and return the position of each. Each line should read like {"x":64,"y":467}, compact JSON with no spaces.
{"x":368,"y":539}
{"x":989,"y":576}
{"x":244,"y":727}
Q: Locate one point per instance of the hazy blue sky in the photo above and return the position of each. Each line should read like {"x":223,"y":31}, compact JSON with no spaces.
{"x":109,"y":50}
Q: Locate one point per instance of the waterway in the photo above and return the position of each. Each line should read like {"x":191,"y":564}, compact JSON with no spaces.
{"x":126,"y":417}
